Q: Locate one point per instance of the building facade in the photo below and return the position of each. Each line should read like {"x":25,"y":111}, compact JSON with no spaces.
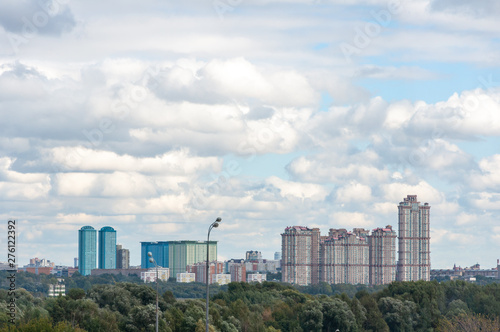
{"x":382,"y":244}
{"x":56,"y":290}
{"x":238,"y":272}
{"x":107,"y":248}
{"x":176,"y":255}
{"x":200,"y":271}
{"x":414,"y":261}
{"x":345,"y":257}
{"x":87,"y":250}
{"x":300,"y":255}
{"x":150,"y":274}
{"x":256,"y":277}
{"x":253,"y":255}
{"x":185,"y":277}
{"x":359,"y":257}
{"x":122,"y":257}
{"x":222,"y":279}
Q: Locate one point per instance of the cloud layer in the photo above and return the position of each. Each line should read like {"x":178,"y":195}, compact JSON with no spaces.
{"x":158,"y":118}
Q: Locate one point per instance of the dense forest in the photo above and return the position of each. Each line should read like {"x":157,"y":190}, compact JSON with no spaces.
{"x":126,"y":304}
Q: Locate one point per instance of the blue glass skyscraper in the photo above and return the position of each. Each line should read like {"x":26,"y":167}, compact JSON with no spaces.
{"x":107,"y":248}
{"x":87,"y":249}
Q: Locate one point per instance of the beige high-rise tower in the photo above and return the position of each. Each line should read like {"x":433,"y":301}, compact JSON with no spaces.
{"x":382,"y":244}
{"x":300,"y":255}
{"x":414,"y":262}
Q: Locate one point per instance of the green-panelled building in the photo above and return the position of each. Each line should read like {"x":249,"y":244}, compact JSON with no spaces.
{"x":107,"y":248}
{"x":176,"y":255}
{"x":87,"y":250}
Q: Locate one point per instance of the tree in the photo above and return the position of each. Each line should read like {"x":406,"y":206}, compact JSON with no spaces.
{"x":337,"y":315}
{"x":399,"y":315}
{"x":311,"y":317}
{"x":469,"y":323}
{"x":76,"y":293}
{"x":374,"y":321}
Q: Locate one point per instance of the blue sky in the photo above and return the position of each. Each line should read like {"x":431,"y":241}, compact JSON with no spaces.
{"x":156,"y":118}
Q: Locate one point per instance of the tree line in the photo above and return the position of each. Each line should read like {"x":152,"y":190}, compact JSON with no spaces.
{"x":267,"y":307}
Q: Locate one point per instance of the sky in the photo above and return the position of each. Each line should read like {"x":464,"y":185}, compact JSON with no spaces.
{"x":156,"y":117}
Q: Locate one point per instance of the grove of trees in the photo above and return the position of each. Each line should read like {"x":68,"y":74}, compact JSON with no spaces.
{"x":267,"y":307}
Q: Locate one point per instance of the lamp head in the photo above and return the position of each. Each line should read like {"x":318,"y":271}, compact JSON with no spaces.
{"x":151,"y":260}
{"x":216,"y":225}
{"x":150,"y":254}
{"x":218,"y":219}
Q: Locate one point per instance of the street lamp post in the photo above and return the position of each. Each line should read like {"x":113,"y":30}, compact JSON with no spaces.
{"x":152,"y":260}
{"x":214,"y":224}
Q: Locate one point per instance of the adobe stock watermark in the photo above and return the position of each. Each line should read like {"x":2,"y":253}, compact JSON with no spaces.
{"x":32,"y":25}
{"x":363,"y":36}
{"x":121,"y":109}
{"x":250,"y":148}
{"x":472,"y":103}
{"x":222,"y":7}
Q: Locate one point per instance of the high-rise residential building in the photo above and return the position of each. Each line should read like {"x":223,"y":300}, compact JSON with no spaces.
{"x":382,"y":244}
{"x":238,"y":272}
{"x":176,"y":255}
{"x":414,"y":261}
{"x":344,"y":257}
{"x":107,"y":248}
{"x":300,"y":247}
{"x":122,"y":257}
{"x":87,"y":249}
{"x":159,"y":250}
{"x":277,"y":255}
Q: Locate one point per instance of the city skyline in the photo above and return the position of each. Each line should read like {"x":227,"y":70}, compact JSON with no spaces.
{"x":157,"y":117}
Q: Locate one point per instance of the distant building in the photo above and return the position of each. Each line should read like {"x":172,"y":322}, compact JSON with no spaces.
{"x":263,"y":266}
{"x":150,"y":274}
{"x":457,"y":272}
{"x":68,"y":272}
{"x":87,"y":250}
{"x":253,"y":256}
{"x":222,"y":279}
{"x":122,"y":257}
{"x":176,"y":255}
{"x":56,"y":290}
{"x":75,"y":262}
{"x":382,"y":244}
{"x":340,"y":257}
{"x":277,"y":255}
{"x":37,"y":270}
{"x":200,"y":270}
{"x":185,"y":277}
{"x":229,"y":263}
{"x":345,"y":257}
{"x":40,"y":263}
{"x":256,"y":277}
{"x":414,"y":262}
{"x":300,"y":260}
{"x":236,"y":268}
{"x":107,"y":248}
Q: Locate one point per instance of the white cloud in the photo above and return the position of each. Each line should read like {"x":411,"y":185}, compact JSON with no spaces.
{"x":297,"y":189}
{"x":350,"y":220}
{"x":354,"y":192}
